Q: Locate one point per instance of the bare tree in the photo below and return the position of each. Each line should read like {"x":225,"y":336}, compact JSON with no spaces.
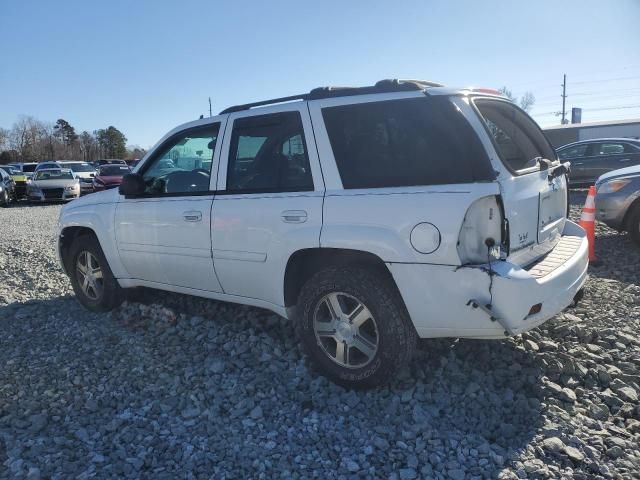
{"x":526,"y":101}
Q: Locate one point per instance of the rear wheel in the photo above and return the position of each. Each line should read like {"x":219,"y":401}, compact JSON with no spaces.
{"x":5,"y":198}
{"x":354,"y":326}
{"x":633,"y":224}
{"x":93,"y":282}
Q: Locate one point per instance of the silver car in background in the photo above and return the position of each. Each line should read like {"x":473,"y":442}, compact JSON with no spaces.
{"x":53,"y":184}
{"x":618,"y":200}
{"x":592,"y":158}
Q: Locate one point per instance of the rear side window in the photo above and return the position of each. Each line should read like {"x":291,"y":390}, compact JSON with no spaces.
{"x":609,"y":149}
{"x":268,"y":153}
{"x":518,"y":139}
{"x":409,"y":142}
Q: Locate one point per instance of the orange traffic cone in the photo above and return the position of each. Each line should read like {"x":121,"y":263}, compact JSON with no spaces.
{"x":588,"y":222}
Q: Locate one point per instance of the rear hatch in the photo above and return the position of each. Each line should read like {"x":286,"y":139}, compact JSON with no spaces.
{"x":532,"y":182}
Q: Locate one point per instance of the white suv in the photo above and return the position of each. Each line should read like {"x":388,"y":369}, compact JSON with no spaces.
{"x":369,"y":216}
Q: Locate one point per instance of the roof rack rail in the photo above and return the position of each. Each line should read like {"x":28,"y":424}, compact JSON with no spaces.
{"x":382,"y":86}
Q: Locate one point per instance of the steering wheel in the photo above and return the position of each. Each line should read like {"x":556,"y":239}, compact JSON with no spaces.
{"x":202,"y":170}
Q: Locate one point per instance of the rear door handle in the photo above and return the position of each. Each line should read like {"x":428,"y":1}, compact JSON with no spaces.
{"x":578,"y":163}
{"x":192,"y":216}
{"x":294,"y":216}
{"x":625,"y":159}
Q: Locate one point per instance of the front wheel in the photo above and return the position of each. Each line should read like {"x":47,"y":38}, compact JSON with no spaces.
{"x":354,"y":326}
{"x":5,"y":198}
{"x":93,"y":283}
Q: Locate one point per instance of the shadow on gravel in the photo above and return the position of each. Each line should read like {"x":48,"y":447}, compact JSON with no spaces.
{"x":217,"y":373}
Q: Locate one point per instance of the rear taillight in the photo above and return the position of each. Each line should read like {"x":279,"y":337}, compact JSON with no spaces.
{"x":480,"y":238}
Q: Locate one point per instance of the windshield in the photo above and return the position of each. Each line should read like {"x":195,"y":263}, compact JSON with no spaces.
{"x":29,"y":168}
{"x":113,"y":170}
{"x":54,"y":175}
{"x":80,"y":167}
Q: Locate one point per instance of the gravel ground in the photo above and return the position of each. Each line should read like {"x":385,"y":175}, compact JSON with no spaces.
{"x":171,"y":386}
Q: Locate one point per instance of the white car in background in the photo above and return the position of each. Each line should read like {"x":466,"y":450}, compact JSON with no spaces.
{"x":53,"y":184}
{"x":368,"y":216}
{"x":83,"y":171}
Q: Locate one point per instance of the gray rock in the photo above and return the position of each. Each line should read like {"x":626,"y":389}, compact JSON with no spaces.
{"x":627,"y":394}
{"x":352,"y":466}
{"x":256,"y":413}
{"x":574,"y":454}
{"x":456,"y":474}
{"x":615,"y":452}
{"x":599,"y":411}
{"x":38,"y":422}
{"x":33,"y":473}
{"x":568,"y":395}
{"x":408,"y":474}
{"x":553,"y":445}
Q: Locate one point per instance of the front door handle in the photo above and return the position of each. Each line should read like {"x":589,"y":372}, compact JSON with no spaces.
{"x":578,"y":163}
{"x":625,"y":159}
{"x":192,"y":216}
{"x":294,"y":216}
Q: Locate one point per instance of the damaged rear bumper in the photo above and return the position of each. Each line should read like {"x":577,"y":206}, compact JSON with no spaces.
{"x":445,"y":301}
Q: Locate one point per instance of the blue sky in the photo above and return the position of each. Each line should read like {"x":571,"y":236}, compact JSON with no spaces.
{"x":147,"y":66}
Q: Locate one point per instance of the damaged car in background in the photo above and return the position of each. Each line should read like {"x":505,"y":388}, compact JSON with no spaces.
{"x":369,"y":216}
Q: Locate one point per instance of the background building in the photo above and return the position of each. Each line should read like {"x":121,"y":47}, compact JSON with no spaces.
{"x":563,"y":134}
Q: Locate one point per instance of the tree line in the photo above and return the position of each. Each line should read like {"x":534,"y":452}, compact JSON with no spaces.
{"x":32,"y":140}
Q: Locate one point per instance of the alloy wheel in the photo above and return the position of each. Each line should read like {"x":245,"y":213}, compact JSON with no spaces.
{"x":346,"y":330}
{"x":89,"y":275}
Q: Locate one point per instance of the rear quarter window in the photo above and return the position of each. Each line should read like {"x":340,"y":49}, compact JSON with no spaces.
{"x":408,"y":142}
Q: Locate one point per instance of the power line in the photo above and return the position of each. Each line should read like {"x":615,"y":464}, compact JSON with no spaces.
{"x":588,"y":101}
{"x":597,"y":109}
{"x":607,"y":80}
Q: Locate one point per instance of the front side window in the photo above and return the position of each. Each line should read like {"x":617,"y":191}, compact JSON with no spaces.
{"x":573,"y":152}
{"x":518,"y":139}
{"x":268,"y":153}
{"x":183,"y":165}
{"x":400,"y":143}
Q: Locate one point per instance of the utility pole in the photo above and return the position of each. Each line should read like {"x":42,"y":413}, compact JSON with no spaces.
{"x":564,"y":98}
{"x":210,"y":107}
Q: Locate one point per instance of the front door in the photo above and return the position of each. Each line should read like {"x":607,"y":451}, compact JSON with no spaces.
{"x":164,"y":236}
{"x":269,"y":200}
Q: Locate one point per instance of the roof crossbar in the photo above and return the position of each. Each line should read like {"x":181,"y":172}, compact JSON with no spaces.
{"x":383,"y":86}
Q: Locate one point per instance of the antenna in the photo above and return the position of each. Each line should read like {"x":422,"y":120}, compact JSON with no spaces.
{"x":210,"y":114}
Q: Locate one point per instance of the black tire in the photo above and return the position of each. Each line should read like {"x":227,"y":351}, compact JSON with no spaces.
{"x":395,"y":334}
{"x":5,"y":198}
{"x":111,"y":294}
{"x":633,"y":223}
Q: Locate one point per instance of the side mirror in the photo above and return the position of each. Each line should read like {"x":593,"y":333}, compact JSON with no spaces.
{"x":132,"y":185}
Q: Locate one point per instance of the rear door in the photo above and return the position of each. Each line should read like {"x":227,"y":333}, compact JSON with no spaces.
{"x":535,"y":205}
{"x":269,"y":199}
{"x":612,"y":155}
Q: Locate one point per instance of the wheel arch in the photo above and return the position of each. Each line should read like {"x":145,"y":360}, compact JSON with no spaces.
{"x":302,"y":264}
{"x":67,"y":236}
{"x":635,"y":204}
